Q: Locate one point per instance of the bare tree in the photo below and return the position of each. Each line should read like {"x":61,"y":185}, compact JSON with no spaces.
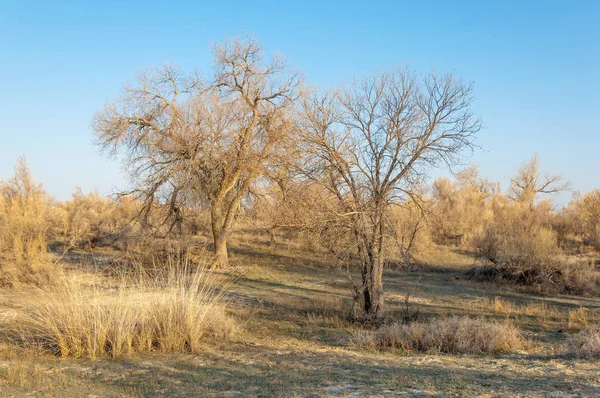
{"x":372,"y":143}
{"x":527,"y":184}
{"x":189,"y":141}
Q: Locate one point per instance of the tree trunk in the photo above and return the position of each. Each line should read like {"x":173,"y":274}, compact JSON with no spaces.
{"x":219,"y":232}
{"x":377,"y":297}
{"x":375,"y":266}
{"x":369,"y":297}
{"x":373,"y":298}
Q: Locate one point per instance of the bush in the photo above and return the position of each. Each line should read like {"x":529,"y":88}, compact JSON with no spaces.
{"x":458,"y":335}
{"x":93,"y":220}
{"x":25,"y":219}
{"x":519,"y":247}
{"x":174,"y":312}
{"x":461,"y":207}
{"x":582,"y":219}
{"x":585,"y":344}
{"x":518,"y":243}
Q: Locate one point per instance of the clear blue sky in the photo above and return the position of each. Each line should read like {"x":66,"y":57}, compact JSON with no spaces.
{"x":535,"y":65}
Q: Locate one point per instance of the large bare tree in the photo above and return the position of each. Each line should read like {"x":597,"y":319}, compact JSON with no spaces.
{"x":372,"y":143}
{"x":188,"y":140}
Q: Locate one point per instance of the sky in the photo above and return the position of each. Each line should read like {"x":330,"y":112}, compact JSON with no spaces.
{"x":535,"y":66}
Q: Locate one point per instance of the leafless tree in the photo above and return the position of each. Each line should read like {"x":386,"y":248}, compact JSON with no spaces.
{"x":370,"y":144}
{"x":188,"y":140}
{"x":527,"y":184}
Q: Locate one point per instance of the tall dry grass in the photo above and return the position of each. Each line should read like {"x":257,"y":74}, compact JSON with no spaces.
{"x":177,"y":310}
{"x":457,"y":335}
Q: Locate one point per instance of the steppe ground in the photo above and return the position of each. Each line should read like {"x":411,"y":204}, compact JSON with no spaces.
{"x":294,"y":340}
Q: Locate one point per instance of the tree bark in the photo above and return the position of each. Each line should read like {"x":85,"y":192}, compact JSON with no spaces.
{"x":219,"y":232}
{"x":377,"y":298}
{"x":372,"y":276}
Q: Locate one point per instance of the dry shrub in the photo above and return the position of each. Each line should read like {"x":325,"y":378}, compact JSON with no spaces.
{"x":91,"y":220}
{"x":461,"y":207}
{"x":173,"y":312}
{"x":579,"y":223}
{"x":585,"y":344}
{"x":519,"y":247}
{"x":590,"y":210}
{"x":577,"y":276}
{"x":517,"y":241}
{"x":25,"y":219}
{"x":458,"y":335}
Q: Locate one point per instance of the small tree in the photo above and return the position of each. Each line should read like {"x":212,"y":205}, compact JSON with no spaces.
{"x":370,"y":144}
{"x":189,"y":141}
{"x":528,"y":183}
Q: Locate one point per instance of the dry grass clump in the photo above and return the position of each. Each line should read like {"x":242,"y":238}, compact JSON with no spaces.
{"x":457,"y":335}
{"x":542,"y":311}
{"x":27,"y":375}
{"x":174,"y":312}
{"x":329,"y":305}
{"x":585,"y":344}
{"x":579,"y":318}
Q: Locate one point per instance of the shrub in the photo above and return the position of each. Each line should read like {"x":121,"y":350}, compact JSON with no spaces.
{"x":25,"y":219}
{"x":461,"y":207}
{"x":91,"y":220}
{"x":519,"y":245}
{"x":584,"y":217}
{"x":585,"y":344}
{"x":458,"y":335}
{"x":174,"y":312}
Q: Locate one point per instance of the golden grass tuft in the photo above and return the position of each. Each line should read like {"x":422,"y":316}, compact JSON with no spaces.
{"x":176,"y":311}
{"x":542,"y":311}
{"x":579,"y":318}
{"x":457,"y":335}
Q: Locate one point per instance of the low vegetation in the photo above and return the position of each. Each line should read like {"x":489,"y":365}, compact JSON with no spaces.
{"x":585,"y":344}
{"x":457,"y":335}
{"x":264,"y":221}
{"x":177,"y":311}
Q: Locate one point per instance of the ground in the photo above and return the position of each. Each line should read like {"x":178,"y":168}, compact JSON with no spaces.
{"x":294,"y":340}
